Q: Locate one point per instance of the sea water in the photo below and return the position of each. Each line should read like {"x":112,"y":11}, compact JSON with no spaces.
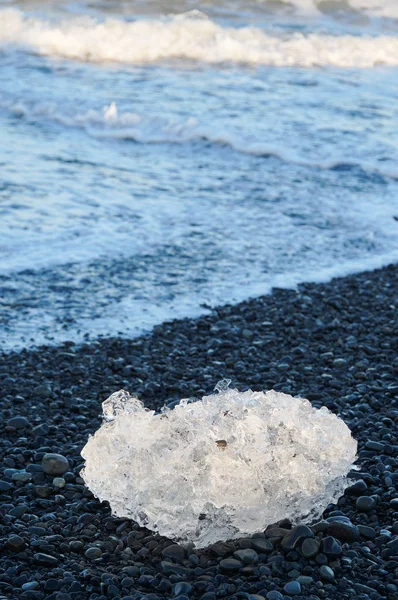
{"x":160,"y":158}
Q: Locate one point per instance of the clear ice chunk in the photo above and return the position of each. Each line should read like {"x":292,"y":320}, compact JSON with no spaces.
{"x":218,"y":468}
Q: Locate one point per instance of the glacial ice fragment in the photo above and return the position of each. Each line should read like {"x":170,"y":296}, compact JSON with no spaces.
{"x":218,"y":468}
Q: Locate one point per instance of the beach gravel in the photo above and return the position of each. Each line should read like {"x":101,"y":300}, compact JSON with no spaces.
{"x":335,"y":344}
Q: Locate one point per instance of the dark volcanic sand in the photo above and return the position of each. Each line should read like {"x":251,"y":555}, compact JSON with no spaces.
{"x":335,"y":344}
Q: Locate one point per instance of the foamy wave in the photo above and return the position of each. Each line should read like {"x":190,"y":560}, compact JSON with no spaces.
{"x":196,"y":39}
{"x":143,"y":129}
{"x":372,"y":8}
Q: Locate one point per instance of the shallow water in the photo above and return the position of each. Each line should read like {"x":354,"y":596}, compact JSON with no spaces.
{"x":155,"y":163}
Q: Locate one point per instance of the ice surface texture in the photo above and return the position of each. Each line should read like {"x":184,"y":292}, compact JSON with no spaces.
{"x":218,"y":468}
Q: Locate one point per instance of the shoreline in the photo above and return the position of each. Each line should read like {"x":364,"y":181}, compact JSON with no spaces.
{"x":89,"y":301}
{"x":334,"y":343}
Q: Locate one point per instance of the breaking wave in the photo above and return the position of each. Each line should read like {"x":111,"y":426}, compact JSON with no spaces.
{"x":191,"y":36}
{"x":387,"y":9}
{"x":143,"y":129}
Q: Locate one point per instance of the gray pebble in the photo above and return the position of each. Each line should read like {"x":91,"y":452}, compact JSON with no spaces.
{"x":331,"y":546}
{"x":5,"y":486}
{"x":247,"y":556}
{"x":16,"y":543}
{"x":367,"y":532}
{"x":326,"y":573}
{"x":230,"y":565}
{"x":262,"y":545}
{"x":310,"y":547}
{"x":274,"y":595}
{"x":182,"y":587}
{"x":54,"y":464}
{"x":293,"y":588}
{"x":365,"y":503}
{"x":18,"y":422}
{"x":31,"y":585}
{"x":174,"y":551}
{"x":45,"y":559}
{"x":93,"y":553}
{"x":346,"y":532}
{"x":22,"y":476}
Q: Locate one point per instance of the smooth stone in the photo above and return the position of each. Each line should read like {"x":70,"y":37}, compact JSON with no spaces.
{"x":340,"y":518}
{"x":174,"y":551}
{"x":274,"y":595}
{"x":377,"y":446}
{"x":54,"y":464}
{"x":296,"y":535}
{"x":310,"y":547}
{"x":305,"y":580}
{"x":22,"y":476}
{"x":365,"y":503}
{"x":228,"y":565}
{"x":16,"y":543}
{"x":247,"y":556}
{"x":393,"y":545}
{"x":18,"y":422}
{"x":42,"y":390}
{"x":30,"y":585}
{"x":93,"y":553}
{"x":357,"y":488}
{"x":59,"y":482}
{"x":276,"y":532}
{"x":18,"y":511}
{"x":346,"y":532}
{"x":326,"y":573}
{"x":320,"y":527}
{"x":367,"y":532}
{"x":293,"y":588}
{"x":182,"y":587}
{"x":5,"y":486}
{"x":220,"y":549}
{"x":76,"y":545}
{"x":262,"y":545}
{"x":331,"y":546}
{"x":45,"y":559}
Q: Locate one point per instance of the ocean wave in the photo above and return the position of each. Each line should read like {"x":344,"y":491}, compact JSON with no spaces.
{"x":386,"y":9}
{"x":109,"y":123}
{"x":193,"y":37}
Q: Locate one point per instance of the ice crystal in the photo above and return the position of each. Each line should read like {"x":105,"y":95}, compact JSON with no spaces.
{"x":218,"y":468}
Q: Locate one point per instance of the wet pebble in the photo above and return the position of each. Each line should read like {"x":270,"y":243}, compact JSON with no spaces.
{"x":331,"y":546}
{"x":230,"y":565}
{"x":346,"y":532}
{"x":247,"y":556}
{"x":18,"y":422}
{"x":326,"y":573}
{"x":296,"y":535}
{"x":16,"y":543}
{"x":174,"y":551}
{"x":93,"y":553}
{"x":310,"y":547}
{"x":54,"y":464}
{"x":365,"y":503}
{"x":293,"y":588}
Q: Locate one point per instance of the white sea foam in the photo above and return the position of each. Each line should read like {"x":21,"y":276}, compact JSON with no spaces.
{"x":145,"y":129}
{"x":192,"y":37}
{"x":371,"y":8}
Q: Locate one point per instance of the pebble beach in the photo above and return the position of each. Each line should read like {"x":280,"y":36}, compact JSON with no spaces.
{"x":194,"y":191}
{"x":333,"y":343}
